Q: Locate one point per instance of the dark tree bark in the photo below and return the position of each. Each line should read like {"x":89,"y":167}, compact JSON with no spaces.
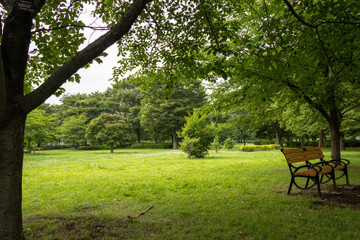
{"x":14,"y":48}
{"x":14,"y":106}
{"x":11,"y":162}
{"x":335,"y":124}
{"x":342,"y":141}
{"x":138,"y":133}
{"x":277,"y":129}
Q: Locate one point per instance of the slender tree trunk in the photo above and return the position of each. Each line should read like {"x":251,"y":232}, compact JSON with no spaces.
{"x":302,"y":141}
{"x":276,"y":126}
{"x":138,"y":135}
{"x":174,"y":139}
{"x":11,"y":161}
{"x":137,"y":128}
{"x":243,"y":137}
{"x":111,"y":148}
{"x":321,"y":139}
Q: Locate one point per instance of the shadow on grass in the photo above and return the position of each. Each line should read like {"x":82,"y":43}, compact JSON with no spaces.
{"x":85,"y":227}
{"x":346,"y":196}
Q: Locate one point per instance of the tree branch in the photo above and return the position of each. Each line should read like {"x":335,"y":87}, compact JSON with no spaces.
{"x":210,"y":25}
{"x":297,"y":15}
{"x":298,"y":92}
{"x":8,"y":4}
{"x":71,"y":25}
{"x":157,"y":30}
{"x":92,"y":51}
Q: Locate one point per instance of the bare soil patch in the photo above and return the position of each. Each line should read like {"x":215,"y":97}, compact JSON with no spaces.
{"x":342,"y":194}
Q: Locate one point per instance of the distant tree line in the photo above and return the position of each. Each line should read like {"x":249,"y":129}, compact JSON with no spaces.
{"x":128,"y":113}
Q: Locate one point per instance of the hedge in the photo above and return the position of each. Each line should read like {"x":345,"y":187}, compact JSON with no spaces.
{"x":49,"y":147}
{"x":149,"y":145}
{"x":95,"y":147}
{"x":252,"y":148}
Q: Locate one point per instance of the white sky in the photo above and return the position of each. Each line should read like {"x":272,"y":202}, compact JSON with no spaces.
{"x":96,"y":78}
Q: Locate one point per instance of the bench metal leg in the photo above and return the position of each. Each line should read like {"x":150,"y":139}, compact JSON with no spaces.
{"x":333,"y":178}
{"x":346,"y":175}
{"x":307,"y":182}
{"x":290,"y":186}
{"x":318,"y":186}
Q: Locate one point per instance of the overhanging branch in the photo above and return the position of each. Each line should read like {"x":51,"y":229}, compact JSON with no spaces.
{"x":307,"y":99}
{"x":8,"y":4}
{"x":210,"y":25}
{"x":85,"y":56}
{"x":297,"y":15}
{"x":69,"y":26}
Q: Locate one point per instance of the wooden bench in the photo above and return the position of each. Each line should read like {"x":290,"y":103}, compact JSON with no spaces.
{"x":318,"y":172}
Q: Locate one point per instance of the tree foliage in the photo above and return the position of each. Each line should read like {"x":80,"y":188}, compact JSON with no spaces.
{"x":306,"y":51}
{"x":38,"y":128}
{"x":109,"y":129}
{"x":73,"y":130}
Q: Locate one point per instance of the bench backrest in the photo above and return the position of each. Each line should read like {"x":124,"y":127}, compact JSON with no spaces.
{"x":302,"y":154}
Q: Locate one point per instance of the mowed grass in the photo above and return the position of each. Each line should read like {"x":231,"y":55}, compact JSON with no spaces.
{"x":69,"y":194}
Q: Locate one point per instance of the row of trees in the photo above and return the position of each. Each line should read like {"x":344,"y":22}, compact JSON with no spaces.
{"x":159,"y":114}
{"x":151,"y":113}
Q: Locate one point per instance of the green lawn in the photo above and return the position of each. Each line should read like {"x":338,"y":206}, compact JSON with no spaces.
{"x":69,"y":194}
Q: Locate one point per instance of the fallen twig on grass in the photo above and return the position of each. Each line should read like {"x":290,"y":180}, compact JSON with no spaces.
{"x":142,"y":213}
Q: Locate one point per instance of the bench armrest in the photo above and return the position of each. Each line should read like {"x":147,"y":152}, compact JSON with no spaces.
{"x":339,"y":162}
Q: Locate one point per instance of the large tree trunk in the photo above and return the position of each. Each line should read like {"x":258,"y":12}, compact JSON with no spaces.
{"x":14,"y":105}
{"x":11,"y":161}
{"x":335,"y":135}
{"x":342,"y":141}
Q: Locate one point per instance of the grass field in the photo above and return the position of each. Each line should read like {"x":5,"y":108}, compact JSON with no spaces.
{"x":69,"y":194}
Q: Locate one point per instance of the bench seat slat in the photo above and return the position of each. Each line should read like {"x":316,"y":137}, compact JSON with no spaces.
{"x":312,"y":172}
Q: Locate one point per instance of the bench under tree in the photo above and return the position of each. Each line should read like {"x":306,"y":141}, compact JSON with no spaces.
{"x":308,"y":168}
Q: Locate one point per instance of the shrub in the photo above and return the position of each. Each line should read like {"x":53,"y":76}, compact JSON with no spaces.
{"x":94,"y":147}
{"x":229,"y":144}
{"x":352,"y":143}
{"x":251,"y":148}
{"x":149,"y":145}
{"x":198,"y":127}
{"x":216,"y":144}
{"x":49,"y":147}
{"x":192,"y":147}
